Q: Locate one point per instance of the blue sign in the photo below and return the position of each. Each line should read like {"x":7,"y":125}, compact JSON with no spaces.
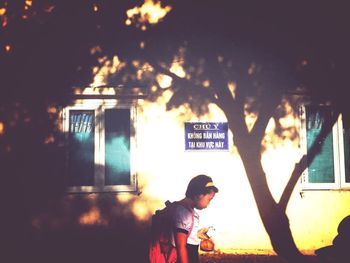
{"x":206,"y":136}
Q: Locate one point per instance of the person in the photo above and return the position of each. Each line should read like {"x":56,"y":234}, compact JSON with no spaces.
{"x":185,"y":219}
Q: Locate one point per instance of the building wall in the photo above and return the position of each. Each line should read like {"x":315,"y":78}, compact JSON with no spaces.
{"x":164,"y":169}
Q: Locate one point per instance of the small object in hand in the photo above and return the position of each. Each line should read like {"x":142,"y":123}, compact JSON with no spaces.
{"x":210,"y":231}
{"x":207,"y":245}
{"x":206,"y":232}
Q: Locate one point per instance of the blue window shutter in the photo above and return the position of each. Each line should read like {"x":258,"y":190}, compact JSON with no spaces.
{"x":321,"y":170}
{"x":81,"y":148}
{"x":117,"y":147}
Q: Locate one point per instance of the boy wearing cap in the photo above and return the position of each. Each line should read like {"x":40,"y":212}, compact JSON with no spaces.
{"x":200,"y":191}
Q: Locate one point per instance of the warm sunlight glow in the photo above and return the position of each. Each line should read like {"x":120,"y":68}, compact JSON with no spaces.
{"x":107,"y":68}
{"x":232,"y":87}
{"x":7,"y":48}
{"x":151,"y":12}
{"x":94,"y":50}
{"x":2,"y":11}
{"x":270,"y":127}
{"x":49,"y":9}
{"x":168,"y":134}
{"x":142,"y":44}
{"x":52,"y":109}
{"x":145,"y":68}
{"x":141,"y":210}
{"x":289,"y":123}
{"x":29,"y":2}
{"x":278,"y":162}
{"x":165,"y":176}
{"x":2,"y":128}
{"x":3,"y":17}
{"x":49,"y":139}
{"x":164,"y":81}
{"x":95,"y":7}
{"x":95,"y":91}
{"x":128,"y":22}
{"x":250,"y":119}
{"x":92,"y":217}
{"x":206,"y":83}
{"x":178,"y":70}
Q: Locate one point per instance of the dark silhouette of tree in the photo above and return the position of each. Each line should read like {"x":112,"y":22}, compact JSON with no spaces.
{"x":269,"y":51}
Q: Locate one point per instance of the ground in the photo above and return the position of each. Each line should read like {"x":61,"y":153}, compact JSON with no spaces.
{"x":230,"y":258}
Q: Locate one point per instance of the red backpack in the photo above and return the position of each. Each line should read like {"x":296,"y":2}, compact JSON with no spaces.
{"x":161,"y":249}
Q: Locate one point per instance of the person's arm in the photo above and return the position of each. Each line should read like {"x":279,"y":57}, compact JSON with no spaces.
{"x":180,"y":242}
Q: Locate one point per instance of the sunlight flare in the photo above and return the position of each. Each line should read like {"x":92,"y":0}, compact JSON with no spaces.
{"x":2,"y":128}
{"x":8,"y":48}
{"x":95,"y":8}
{"x":107,"y":68}
{"x":177,"y":69}
{"x":232,"y":88}
{"x":2,"y":11}
{"x":164,"y":81}
{"x":151,"y":12}
{"x":92,"y":217}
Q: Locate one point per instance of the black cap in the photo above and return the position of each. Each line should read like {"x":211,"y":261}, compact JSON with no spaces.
{"x":200,"y":184}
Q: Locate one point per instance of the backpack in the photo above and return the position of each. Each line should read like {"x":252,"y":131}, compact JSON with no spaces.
{"x":161,"y":249}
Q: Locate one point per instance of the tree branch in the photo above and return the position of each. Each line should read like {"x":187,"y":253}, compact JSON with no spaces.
{"x":194,"y":87}
{"x":306,"y":160}
{"x":266,"y":111}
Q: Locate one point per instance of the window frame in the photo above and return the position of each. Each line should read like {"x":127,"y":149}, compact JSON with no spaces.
{"x":99,"y":106}
{"x":338,"y":155}
{"x":343,"y":183}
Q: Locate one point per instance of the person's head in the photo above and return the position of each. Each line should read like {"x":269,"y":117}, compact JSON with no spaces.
{"x":201,"y":190}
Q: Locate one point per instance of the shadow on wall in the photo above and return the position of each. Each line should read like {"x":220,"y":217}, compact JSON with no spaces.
{"x":40,"y":221}
{"x":63,"y":239}
{"x":339,"y":251}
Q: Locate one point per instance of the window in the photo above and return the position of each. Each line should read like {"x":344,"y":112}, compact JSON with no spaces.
{"x":330,"y":167}
{"x":100,"y":146}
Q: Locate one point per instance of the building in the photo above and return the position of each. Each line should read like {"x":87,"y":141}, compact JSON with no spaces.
{"x":130,"y":151}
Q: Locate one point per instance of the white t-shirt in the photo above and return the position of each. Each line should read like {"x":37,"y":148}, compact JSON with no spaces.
{"x":182,"y":219}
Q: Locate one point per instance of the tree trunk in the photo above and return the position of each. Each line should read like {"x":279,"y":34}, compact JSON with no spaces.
{"x":274,"y":218}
